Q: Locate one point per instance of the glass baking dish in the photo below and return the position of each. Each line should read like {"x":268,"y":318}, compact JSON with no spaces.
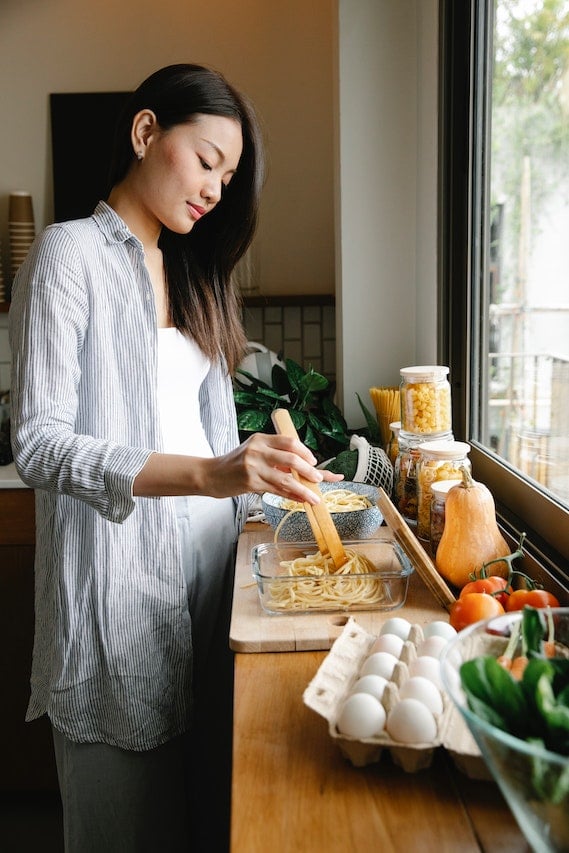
{"x":292,"y":577}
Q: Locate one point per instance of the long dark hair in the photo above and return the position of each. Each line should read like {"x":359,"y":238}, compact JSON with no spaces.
{"x":204,"y":301}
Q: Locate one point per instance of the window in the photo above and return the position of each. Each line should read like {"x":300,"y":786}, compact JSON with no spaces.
{"x":504,"y":256}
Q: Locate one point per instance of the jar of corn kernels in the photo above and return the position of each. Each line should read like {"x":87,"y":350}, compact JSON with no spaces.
{"x":425,"y":400}
{"x":439,"y":460}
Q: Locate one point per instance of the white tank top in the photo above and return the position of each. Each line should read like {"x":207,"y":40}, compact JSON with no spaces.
{"x":182,"y":367}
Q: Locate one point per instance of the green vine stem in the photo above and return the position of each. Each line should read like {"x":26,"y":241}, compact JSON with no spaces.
{"x":512,"y":572}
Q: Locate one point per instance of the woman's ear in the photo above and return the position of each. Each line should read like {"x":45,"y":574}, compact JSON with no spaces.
{"x":144,"y":125}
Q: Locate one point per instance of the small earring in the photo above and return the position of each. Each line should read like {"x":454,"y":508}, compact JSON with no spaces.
{"x":140,"y":155}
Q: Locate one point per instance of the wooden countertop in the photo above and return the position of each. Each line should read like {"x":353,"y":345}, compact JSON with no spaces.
{"x":252,"y":630}
{"x":293,"y":791}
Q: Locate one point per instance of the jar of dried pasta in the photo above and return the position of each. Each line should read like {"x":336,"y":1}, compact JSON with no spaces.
{"x":439,"y":491}
{"x":392,"y":448}
{"x":405,"y":476}
{"x":425,"y":400}
{"x":438,"y":460}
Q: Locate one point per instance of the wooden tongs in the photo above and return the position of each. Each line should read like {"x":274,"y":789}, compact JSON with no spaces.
{"x":323,"y":527}
{"x":426,"y":569}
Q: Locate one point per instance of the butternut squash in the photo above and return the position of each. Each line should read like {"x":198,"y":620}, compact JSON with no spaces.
{"x":471,"y":536}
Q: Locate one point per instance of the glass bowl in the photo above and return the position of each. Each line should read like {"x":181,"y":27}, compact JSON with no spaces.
{"x":281,"y":592}
{"x":533,"y":780}
{"x":295,"y":527}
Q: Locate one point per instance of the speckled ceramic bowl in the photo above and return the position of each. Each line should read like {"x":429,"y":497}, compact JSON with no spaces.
{"x":357,"y":524}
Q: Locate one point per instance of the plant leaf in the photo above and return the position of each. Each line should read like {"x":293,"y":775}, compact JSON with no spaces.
{"x":256,"y":382}
{"x":294,"y":373}
{"x":245,"y":398}
{"x":253,"y":420}
{"x":371,"y":421}
{"x":281,"y":381}
{"x":312,"y":382}
{"x":345,"y":463}
{"x":310,"y":439}
{"x":298,"y":419}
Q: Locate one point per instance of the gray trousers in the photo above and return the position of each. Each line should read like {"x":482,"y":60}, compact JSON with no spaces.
{"x":163,"y":800}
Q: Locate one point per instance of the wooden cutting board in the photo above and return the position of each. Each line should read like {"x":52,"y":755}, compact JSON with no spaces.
{"x":253,"y":630}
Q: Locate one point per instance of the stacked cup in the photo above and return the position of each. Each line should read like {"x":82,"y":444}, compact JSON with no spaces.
{"x":2,"y":286}
{"x":21,"y":227}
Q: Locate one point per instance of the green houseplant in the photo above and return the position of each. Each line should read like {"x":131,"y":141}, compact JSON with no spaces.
{"x":305,"y":393}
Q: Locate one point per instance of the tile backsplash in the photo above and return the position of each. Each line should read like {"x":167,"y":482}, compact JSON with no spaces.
{"x":302,"y":329}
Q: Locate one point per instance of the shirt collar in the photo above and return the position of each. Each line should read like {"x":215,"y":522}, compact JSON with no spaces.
{"x":112,"y":226}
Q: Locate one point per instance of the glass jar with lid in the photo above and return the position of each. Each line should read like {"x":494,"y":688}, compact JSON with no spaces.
{"x":392,"y":448}
{"x":438,"y":460}
{"x":425,"y":400}
{"x":405,"y":474}
{"x":439,"y":491}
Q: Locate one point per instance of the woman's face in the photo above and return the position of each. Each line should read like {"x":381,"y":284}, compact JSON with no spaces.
{"x":185,"y":169}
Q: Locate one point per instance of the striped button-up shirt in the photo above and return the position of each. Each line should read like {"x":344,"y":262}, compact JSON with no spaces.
{"x":112,"y":648}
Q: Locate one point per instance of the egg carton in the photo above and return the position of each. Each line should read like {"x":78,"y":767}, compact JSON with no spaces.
{"x":334,"y":681}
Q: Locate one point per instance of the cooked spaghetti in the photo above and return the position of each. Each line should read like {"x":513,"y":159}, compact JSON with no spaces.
{"x":319,"y":585}
{"x":337,"y":500}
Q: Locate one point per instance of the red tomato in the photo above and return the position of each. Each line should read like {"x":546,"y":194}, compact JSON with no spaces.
{"x":493,"y":585}
{"x":473,"y":607}
{"x":518,"y":599}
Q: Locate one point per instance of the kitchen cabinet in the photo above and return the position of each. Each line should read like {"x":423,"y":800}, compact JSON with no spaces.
{"x":28,"y":762}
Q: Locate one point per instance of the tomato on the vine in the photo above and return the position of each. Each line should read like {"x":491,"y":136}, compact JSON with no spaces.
{"x":493,"y":585}
{"x":473,"y":607}
{"x":518,"y":599}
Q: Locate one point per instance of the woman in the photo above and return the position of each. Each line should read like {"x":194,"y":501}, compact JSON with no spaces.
{"x":125,"y":330}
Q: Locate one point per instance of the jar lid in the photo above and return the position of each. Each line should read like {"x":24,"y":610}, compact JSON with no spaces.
{"x":440,"y":488}
{"x":445,"y":449}
{"x":395,"y":426}
{"x":417,"y":438}
{"x":424,"y":373}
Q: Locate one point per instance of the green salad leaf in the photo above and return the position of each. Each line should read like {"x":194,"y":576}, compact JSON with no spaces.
{"x":494,"y":695}
{"x":534,"y":708}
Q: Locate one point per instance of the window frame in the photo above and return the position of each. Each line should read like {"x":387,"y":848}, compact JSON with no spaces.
{"x":464,"y":98}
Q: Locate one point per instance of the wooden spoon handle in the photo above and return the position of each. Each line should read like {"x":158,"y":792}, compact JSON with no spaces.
{"x":319,"y":517}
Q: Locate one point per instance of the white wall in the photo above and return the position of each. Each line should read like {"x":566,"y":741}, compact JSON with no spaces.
{"x":347,"y":93}
{"x":280,"y":54}
{"x":386,"y":164}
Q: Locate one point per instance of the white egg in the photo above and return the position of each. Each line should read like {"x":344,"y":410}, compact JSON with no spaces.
{"x":419,"y":687}
{"x":410,"y":721}
{"x":396,"y":625}
{"x":372,"y":684}
{"x":428,"y":667}
{"x":439,"y":629}
{"x":432,"y":646}
{"x":379,"y":663}
{"x":388,"y":643}
{"x":362,"y":716}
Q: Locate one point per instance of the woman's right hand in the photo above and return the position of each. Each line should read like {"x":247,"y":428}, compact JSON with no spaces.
{"x":263,"y":463}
